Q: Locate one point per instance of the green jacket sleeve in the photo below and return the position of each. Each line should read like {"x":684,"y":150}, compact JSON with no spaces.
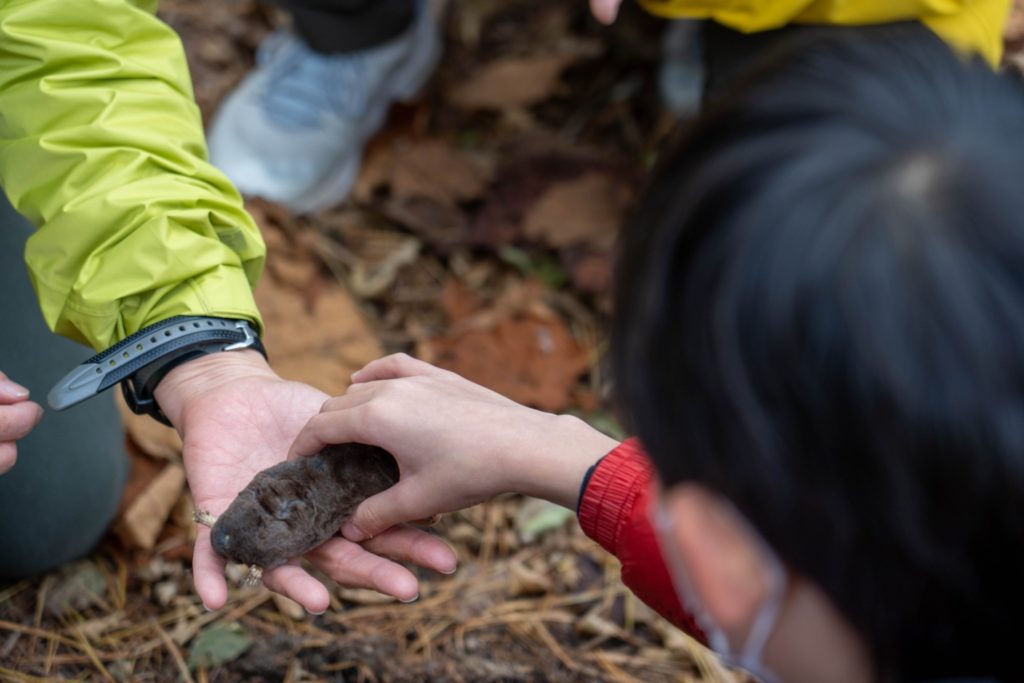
{"x":102,"y":148}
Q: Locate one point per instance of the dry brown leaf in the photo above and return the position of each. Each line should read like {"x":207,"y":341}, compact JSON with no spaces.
{"x":141,"y":523}
{"x":372,"y":278}
{"x":153,"y":438}
{"x":533,"y":170}
{"x":458,"y":301}
{"x":321,"y":343}
{"x":591,"y":271}
{"x":442,"y":225}
{"x":526,"y":581}
{"x":435,"y":169}
{"x":585,"y":210}
{"x":512,"y":82}
{"x":536,"y":362}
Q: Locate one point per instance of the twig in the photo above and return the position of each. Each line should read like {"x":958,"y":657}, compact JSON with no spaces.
{"x":10,"y":675}
{"x":14,"y":590}
{"x":174,"y":652}
{"x":552,"y":644}
{"x":95,"y":660}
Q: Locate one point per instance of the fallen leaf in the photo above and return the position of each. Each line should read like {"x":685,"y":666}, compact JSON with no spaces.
{"x":370,"y":279}
{"x":153,"y":438}
{"x":165,"y":591}
{"x":94,"y":628}
{"x":585,"y":210}
{"x":218,"y":644}
{"x":439,"y":224}
{"x":436,"y":169}
{"x":593,"y":624}
{"x":517,"y":186}
{"x":541,"y":266}
{"x":145,"y":517}
{"x":536,"y":362}
{"x":77,"y":587}
{"x":458,"y":301}
{"x":512,"y":82}
{"x":526,"y":581}
{"x":321,"y":343}
{"x":590,"y":271}
{"x":536,"y":517}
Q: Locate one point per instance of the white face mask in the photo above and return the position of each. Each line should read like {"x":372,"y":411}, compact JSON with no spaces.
{"x":746,"y":655}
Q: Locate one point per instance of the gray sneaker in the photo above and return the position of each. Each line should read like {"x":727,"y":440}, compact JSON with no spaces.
{"x":293,"y":131}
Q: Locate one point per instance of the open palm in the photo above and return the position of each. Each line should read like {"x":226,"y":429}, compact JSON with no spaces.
{"x":236,"y":421}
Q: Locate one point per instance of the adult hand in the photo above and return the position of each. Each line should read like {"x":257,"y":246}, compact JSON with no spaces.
{"x":605,"y":10}
{"x":18,"y":416}
{"x":456,"y":443}
{"x":237,"y":417}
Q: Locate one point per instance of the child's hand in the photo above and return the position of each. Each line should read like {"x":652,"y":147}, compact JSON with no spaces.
{"x":18,"y":416}
{"x":605,"y":10}
{"x":456,"y":443}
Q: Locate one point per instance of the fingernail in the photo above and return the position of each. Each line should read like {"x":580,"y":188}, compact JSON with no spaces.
{"x":316,"y":614}
{"x":206,"y":608}
{"x":9,"y":389}
{"x":352,"y":533}
{"x":450,"y":571}
{"x":412,"y":599}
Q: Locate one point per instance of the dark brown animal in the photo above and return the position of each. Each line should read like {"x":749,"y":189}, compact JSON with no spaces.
{"x":291,"y":508}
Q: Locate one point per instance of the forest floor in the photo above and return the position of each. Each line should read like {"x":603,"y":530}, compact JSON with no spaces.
{"x":479,"y":237}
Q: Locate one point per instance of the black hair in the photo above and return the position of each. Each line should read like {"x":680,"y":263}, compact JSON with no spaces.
{"x":820,"y":316}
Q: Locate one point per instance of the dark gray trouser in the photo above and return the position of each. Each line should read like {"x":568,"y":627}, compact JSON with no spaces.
{"x":333,"y":26}
{"x":62,"y":494}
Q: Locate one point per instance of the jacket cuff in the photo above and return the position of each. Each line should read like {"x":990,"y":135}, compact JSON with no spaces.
{"x":615,"y":483}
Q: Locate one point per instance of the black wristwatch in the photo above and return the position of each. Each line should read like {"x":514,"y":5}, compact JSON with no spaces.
{"x":140,"y":361}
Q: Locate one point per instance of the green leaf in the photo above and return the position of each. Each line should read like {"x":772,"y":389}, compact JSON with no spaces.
{"x":218,"y":645}
{"x":542,"y":266}
{"x":537,"y":517}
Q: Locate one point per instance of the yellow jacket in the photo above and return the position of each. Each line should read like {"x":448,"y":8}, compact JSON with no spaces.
{"x":969,"y":25}
{"x":102,"y":148}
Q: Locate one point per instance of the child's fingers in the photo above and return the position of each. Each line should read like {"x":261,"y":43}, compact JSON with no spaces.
{"x":351,"y":565}
{"x":399,"y":504}
{"x":605,"y":10}
{"x":17,"y":420}
{"x":337,"y":426}
{"x":394,"y":366}
{"x":408,"y":544}
{"x":357,"y":395}
{"x":294,"y":582}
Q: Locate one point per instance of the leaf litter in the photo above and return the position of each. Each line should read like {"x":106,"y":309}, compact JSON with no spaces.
{"x":480,"y":236}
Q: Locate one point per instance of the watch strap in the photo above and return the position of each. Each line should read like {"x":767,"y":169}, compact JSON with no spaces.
{"x":148,"y":355}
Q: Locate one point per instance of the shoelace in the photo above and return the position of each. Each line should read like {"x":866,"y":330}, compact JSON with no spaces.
{"x":303,"y":86}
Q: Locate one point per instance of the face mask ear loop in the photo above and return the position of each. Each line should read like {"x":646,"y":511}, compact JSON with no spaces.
{"x":767,"y":617}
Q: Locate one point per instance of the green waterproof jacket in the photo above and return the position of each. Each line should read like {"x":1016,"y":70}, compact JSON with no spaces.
{"x":102,"y":149}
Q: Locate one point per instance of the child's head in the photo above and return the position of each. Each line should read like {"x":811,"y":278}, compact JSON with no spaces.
{"x":820,"y":318}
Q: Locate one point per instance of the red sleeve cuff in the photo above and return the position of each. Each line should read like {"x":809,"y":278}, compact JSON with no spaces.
{"x":617,"y":480}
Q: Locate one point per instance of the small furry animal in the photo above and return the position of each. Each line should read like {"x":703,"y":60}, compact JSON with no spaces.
{"x":292,"y":507}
